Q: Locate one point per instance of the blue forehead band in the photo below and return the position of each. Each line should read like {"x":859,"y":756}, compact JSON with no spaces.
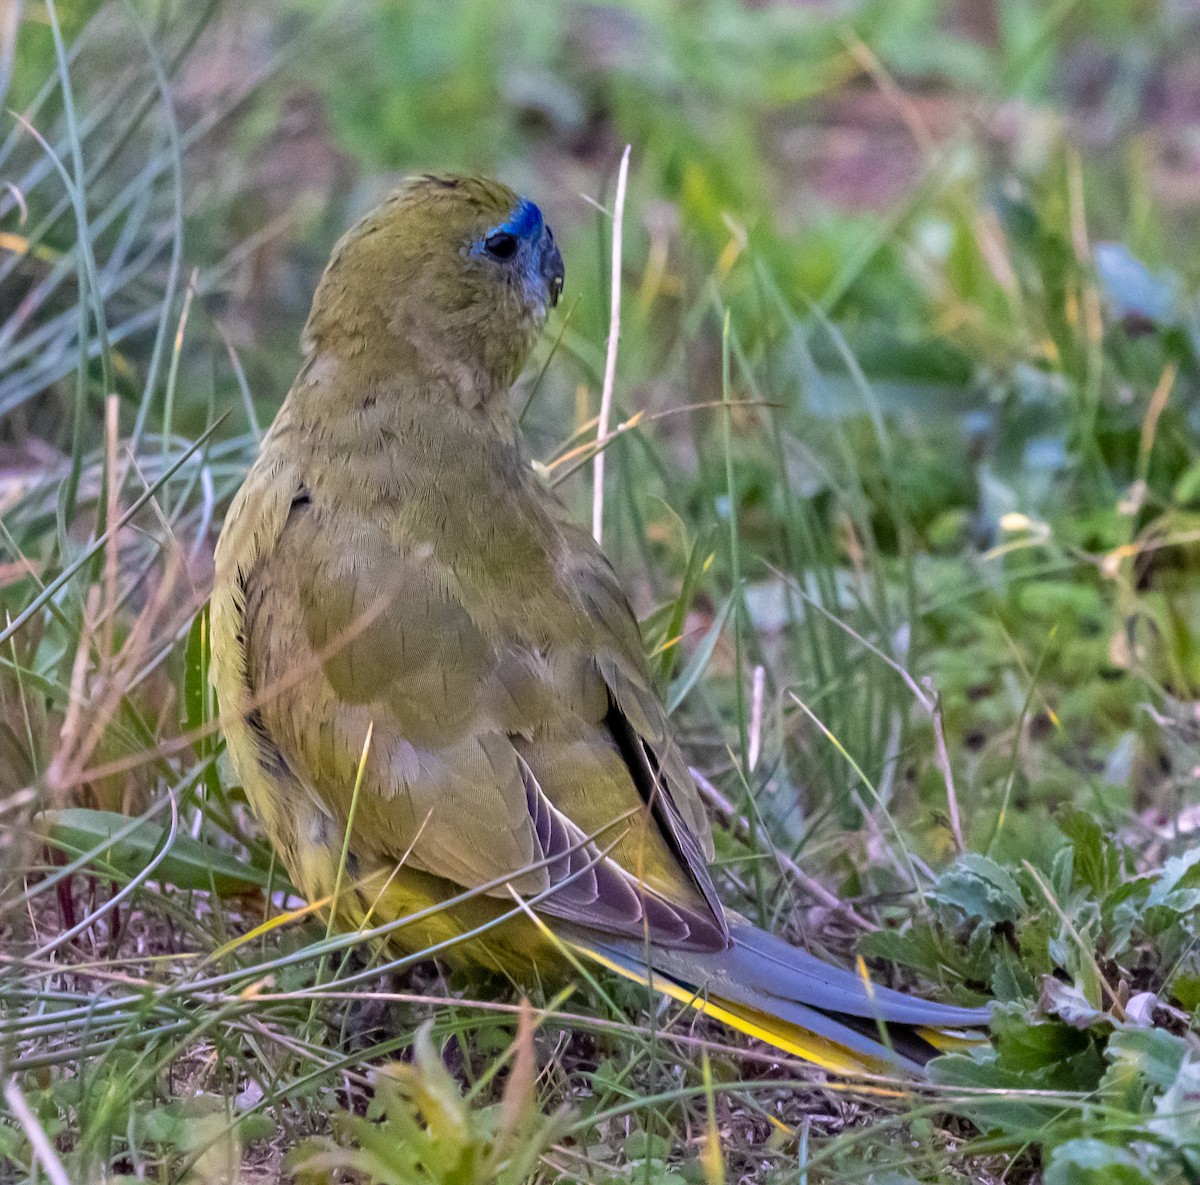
{"x":525,"y":223}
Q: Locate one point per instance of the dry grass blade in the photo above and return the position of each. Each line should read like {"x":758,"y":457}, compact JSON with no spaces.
{"x":610,"y":355}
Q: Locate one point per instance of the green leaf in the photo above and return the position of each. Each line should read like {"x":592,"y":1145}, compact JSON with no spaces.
{"x":1187,"y":488}
{"x":1155,"y":1054}
{"x":1123,"y":909}
{"x":1178,"y":888}
{"x":1046,"y":1054}
{"x":1016,"y":1114}
{"x":1097,"y":861}
{"x":189,"y":863}
{"x":1177,"y":1113}
{"x":1087,"y":1161}
{"x":695,"y":668}
{"x":692,"y":572}
{"x":981,"y":888}
{"x":1186,"y":989}
{"x":196,"y":687}
{"x":198,"y":697}
{"x":930,"y":950}
{"x":643,"y":1145}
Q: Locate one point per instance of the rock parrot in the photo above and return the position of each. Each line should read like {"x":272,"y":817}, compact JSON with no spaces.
{"x":414,"y":644}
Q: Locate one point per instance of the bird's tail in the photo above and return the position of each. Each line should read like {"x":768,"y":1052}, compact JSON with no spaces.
{"x":784,"y":996}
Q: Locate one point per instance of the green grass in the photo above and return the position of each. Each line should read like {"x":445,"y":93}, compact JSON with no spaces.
{"x":910,"y":322}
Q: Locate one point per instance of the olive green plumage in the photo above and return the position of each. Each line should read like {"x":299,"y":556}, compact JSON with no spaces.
{"x":393,"y":565}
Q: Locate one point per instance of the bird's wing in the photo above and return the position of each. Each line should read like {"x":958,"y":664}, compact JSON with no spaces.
{"x":489,"y":758}
{"x":636,"y":718}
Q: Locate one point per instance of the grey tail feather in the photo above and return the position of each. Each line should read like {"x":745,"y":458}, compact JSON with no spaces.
{"x":774,"y":966}
{"x":768,"y":975}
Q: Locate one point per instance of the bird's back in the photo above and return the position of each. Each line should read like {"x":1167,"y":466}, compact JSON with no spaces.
{"x":436,"y":593}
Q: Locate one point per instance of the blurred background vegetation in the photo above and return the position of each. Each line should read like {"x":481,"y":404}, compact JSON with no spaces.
{"x":944,"y":257}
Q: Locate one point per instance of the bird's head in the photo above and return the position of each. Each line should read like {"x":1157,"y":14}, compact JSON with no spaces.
{"x":448,"y":282}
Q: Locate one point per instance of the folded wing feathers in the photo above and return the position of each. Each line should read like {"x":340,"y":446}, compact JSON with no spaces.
{"x":594,"y":890}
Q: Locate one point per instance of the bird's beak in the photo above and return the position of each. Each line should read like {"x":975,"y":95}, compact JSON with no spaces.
{"x":551,"y":267}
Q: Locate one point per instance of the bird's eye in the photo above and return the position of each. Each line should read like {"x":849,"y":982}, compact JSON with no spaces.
{"x":501,"y":245}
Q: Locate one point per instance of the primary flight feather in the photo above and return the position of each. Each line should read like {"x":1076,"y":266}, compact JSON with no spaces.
{"x":413,"y":641}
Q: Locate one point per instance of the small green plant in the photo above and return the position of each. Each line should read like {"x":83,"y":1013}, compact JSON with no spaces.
{"x":420,"y":1129}
{"x":1093,"y":1059}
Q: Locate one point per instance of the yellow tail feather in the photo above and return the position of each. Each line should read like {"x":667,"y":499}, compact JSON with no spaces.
{"x":783,"y":1036}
